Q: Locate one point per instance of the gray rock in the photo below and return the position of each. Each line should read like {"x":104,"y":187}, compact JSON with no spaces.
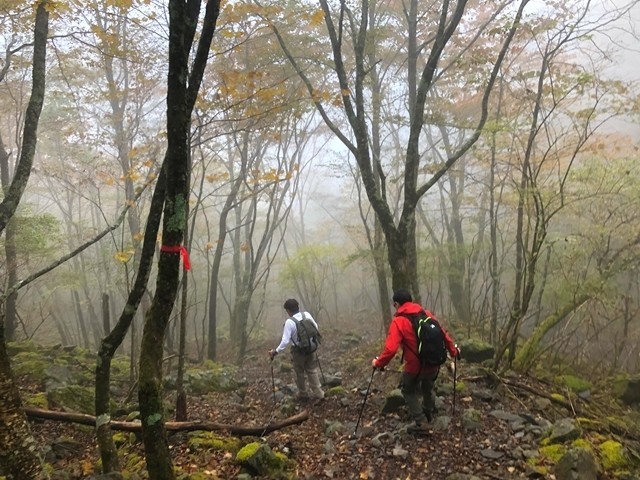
{"x":65,"y":447}
{"x":441,"y":422}
{"x":393,"y":402}
{"x":398,"y":451}
{"x":328,"y":447}
{"x":542,"y":404}
{"x":333,"y":427}
{"x":506,"y":416}
{"x":471,"y":419}
{"x":577,"y":464}
{"x":491,"y":454}
{"x":332,"y":380}
{"x":564,"y":430}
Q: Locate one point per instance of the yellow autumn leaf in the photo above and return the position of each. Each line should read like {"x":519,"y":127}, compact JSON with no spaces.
{"x":138,"y":236}
{"x":316,"y":18}
{"x":123,"y":256}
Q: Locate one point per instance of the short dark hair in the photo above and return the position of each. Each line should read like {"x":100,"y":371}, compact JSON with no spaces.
{"x":292,"y":305}
{"x":402,"y":295}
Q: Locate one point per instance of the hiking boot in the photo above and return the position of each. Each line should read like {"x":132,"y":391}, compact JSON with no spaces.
{"x":430,"y":414}
{"x":421,"y":428}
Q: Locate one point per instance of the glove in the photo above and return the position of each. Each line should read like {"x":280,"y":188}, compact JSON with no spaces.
{"x":374,"y":364}
{"x":272,"y":353}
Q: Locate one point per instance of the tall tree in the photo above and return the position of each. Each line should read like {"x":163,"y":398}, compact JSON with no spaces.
{"x":425,"y":50}
{"x":183,"y":85}
{"x":18,"y":452}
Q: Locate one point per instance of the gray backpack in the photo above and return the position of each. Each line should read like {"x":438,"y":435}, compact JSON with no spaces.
{"x":308,"y":336}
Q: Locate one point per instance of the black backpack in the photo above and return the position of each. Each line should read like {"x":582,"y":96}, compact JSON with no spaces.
{"x":432,"y":350}
{"x":308,"y":336}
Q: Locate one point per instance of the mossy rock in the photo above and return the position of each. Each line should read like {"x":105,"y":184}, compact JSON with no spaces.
{"x":474,"y":350}
{"x":574,"y":383}
{"x":14,"y":348}
{"x":582,"y":443}
{"x":258,"y":459}
{"x":592,"y":425}
{"x":554,"y":452}
{"x":75,"y":398}
{"x":461,"y":387}
{"x":627,"y":388}
{"x":211,"y":377}
{"x":121,"y":438}
{"x":30,"y":364}
{"x":133,"y":463}
{"x":38,"y":400}
{"x":334,"y":391}
{"x":613,"y":456}
{"x":211,"y":441}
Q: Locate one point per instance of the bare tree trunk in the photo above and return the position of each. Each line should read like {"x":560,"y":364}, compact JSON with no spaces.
{"x":18,"y":457}
{"x":181,"y":395}
{"x":115,"y":337}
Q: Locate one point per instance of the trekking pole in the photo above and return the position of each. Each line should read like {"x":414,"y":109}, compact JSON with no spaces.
{"x":364,"y":402}
{"x":324,"y":382}
{"x":273,"y":383}
{"x":455,"y":374}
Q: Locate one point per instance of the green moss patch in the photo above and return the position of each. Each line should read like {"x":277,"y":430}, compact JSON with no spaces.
{"x":211,"y":441}
{"x":554,"y":452}
{"x":575,"y":384}
{"x":612,"y":455}
{"x":333,"y":391}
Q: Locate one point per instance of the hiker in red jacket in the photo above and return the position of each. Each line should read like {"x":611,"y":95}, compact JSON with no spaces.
{"x":415,"y":377}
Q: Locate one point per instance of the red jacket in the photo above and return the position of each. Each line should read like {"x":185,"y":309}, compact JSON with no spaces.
{"x":401,"y":333}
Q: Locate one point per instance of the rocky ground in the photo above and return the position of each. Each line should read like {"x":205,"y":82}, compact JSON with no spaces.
{"x":497,"y":430}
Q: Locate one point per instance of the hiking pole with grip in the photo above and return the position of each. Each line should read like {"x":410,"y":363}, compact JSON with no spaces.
{"x":273,"y":382}
{"x":364,"y":401}
{"x":455,"y":375}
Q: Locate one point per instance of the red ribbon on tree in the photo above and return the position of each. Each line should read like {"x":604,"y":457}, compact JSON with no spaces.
{"x":178,"y":249}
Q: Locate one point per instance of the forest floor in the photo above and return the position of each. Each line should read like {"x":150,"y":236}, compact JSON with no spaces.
{"x":324,"y":446}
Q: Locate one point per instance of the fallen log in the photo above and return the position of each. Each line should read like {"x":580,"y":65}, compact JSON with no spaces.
{"x":84,"y":419}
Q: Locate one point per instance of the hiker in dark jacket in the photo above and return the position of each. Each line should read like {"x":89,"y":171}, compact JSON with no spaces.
{"x":415,"y":377}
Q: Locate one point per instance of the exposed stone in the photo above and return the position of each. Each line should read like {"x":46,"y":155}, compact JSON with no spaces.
{"x":577,"y":464}
{"x":491,"y":454}
{"x":564,"y":430}
{"x":472,"y":419}
{"x":260,"y":460}
{"x":400,"y":452}
{"x":476,"y":351}
{"x":506,"y":416}
{"x":393,"y":402}
{"x":627,"y":389}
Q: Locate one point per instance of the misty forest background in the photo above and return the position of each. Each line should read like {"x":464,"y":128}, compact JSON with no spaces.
{"x":534,"y":227}
{"x":481,"y":153}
